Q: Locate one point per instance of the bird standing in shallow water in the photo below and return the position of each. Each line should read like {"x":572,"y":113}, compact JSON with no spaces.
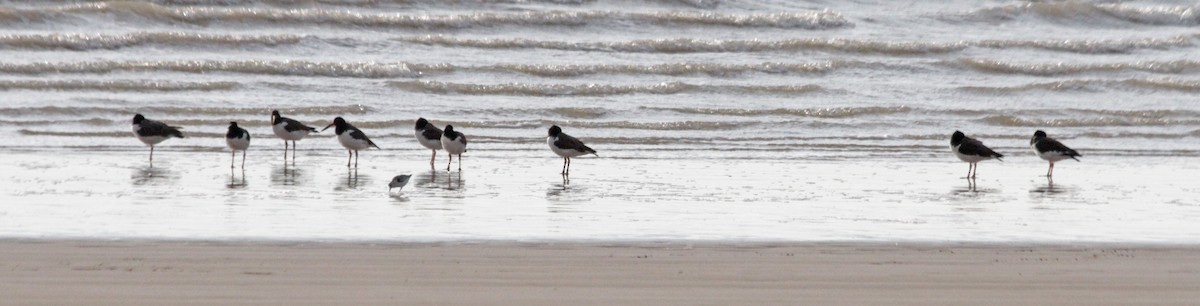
{"x":351,"y":138}
{"x":567,"y":147}
{"x":152,"y":132}
{"x":430,"y":137}
{"x":399,"y":181}
{"x":1051,"y":150}
{"x":971,"y":151}
{"x":455,"y":143}
{"x":289,"y":130}
{"x":238,"y":139}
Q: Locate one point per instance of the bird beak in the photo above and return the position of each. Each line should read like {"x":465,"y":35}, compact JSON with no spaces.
{"x":326,"y":127}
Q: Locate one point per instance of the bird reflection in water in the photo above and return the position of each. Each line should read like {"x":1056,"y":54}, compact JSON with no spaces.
{"x":353,"y":180}
{"x":234,"y":181}
{"x":971,"y":188}
{"x":454,"y":180}
{"x":558,"y":189}
{"x":1049,"y":189}
{"x":286,"y":176}
{"x":151,"y":176}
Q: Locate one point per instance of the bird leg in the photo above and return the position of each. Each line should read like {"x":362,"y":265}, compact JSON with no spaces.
{"x":432,"y":158}
{"x":1050,"y":172}
{"x":564,"y":169}
{"x":233,"y":157}
{"x":243,"y":159}
{"x":285,"y":147}
{"x":450,"y":161}
{"x":460,"y":163}
{"x":349,"y":156}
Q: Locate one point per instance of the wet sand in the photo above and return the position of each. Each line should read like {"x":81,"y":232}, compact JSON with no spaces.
{"x":149,"y":272}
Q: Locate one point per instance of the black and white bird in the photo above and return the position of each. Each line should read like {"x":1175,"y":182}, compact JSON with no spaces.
{"x":567,"y":147}
{"x":430,"y":137}
{"x":971,"y":151}
{"x":289,"y":130}
{"x":399,"y":181}
{"x":351,"y":138}
{"x":1051,"y":150}
{"x":238,"y":139}
{"x":455,"y":143}
{"x":152,"y":132}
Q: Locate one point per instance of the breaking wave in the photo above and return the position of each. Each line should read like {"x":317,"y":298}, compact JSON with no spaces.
{"x":115,"y":85}
{"x":75,"y":111}
{"x":1094,"y":85}
{"x":204,"y":15}
{"x":81,"y":42}
{"x":552,"y":90}
{"x":411,"y":70}
{"x":833,"y":112}
{"x":993,"y":66}
{"x":1085,"y":12}
{"x":695,"y":45}
{"x":291,"y":68}
{"x":1013,"y":121}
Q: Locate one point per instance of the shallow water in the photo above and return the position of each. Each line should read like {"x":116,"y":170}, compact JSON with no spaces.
{"x":194,"y":195}
{"x":756,"y":120}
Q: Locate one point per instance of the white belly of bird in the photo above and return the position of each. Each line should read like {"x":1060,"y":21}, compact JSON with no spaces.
{"x":351,"y":143}
{"x":969,"y":158}
{"x":1051,"y":156}
{"x":148,"y":140}
{"x":562,"y":152}
{"x":432,"y":144}
{"x":453,"y":146}
{"x":239,"y":143}
{"x":285,"y":135}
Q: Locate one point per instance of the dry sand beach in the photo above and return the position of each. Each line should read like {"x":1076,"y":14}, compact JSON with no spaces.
{"x":489,"y":273}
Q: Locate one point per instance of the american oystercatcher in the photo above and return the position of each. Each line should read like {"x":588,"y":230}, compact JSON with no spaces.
{"x":152,"y":132}
{"x":238,"y":139}
{"x":1051,"y":150}
{"x":430,"y":137}
{"x":289,"y":130}
{"x":351,"y":138}
{"x":566,"y":146}
{"x":455,"y":143}
{"x":971,"y":151}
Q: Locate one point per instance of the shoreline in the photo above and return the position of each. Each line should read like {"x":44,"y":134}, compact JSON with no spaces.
{"x":144,"y":272}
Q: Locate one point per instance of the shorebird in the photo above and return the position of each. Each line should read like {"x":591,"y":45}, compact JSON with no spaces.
{"x":351,"y":138}
{"x":430,"y":137}
{"x":152,"y":132}
{"x":566,"y":146}
{"x":289,"y":130}
{"x":238,"y":139}
{"x":971,"y":151}
{"x":1051,"y":150}
{"x":455,"y":143}
{"x":399,"y":181}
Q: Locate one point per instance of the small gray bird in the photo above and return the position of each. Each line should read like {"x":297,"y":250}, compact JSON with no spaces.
{"x":399,"y":181}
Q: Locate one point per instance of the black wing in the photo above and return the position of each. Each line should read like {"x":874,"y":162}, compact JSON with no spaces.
{"x":970,"y":146}
{"x":567,"y":142}
{"x":462,"y":138}
{"x":432,"y":133}
{"x":293,"y":125}
{"x":155,"y":128}
{"x":356,"y":134}
{"x":1051,"y":145}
